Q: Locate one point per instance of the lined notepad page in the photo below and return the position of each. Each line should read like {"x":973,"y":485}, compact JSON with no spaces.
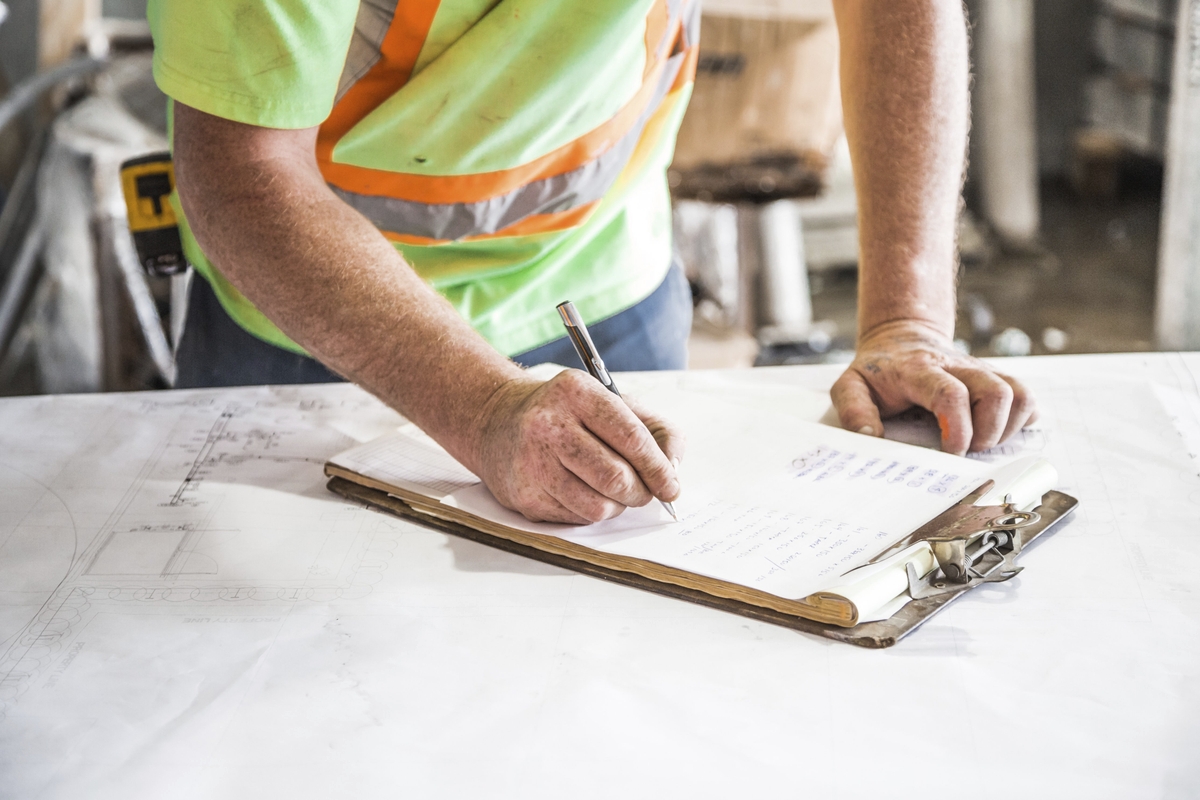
{"x":409,"y":459}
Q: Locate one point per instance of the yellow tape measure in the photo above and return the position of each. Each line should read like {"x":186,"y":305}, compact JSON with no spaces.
{"x":147,"y":182}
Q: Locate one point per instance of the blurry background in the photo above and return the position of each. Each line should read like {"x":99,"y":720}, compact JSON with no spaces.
{"x":1078,"y":115}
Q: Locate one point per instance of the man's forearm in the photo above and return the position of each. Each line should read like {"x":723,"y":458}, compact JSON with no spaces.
{"x":904,"y":89}
{"x":563,"y":450}
{"x":332,"y":283}
{"x":905,"y":94}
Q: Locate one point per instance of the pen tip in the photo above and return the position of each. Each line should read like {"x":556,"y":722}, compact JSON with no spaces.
{"x":670,"y":510}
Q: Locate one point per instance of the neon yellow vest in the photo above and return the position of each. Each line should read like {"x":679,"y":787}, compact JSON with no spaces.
{"x":514,"y":152}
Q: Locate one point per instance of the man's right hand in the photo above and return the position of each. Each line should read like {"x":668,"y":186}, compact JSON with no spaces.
{"x":568,"y":450}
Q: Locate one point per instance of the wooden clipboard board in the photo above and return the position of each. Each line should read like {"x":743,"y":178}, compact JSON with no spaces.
{"x":1054,"y":508}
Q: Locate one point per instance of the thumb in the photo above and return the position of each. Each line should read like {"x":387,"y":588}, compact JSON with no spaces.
{"x":855,"y":406}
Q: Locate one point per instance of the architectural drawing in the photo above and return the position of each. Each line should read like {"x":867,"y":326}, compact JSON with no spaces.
{"x":191,"y":524}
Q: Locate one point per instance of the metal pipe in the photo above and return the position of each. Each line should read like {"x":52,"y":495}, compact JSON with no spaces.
{"x":786,"y":304}
{"x":18,"y":280}
{"x":145,"y":311}
{"x":18,"y":206}
{"x":1177,"y":311}
{"x":26,"y":93}
{"x":1006,"y":120}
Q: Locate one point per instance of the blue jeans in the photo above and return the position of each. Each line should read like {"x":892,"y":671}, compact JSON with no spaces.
{"x":650,"y":335}
{"x":216,"y":351}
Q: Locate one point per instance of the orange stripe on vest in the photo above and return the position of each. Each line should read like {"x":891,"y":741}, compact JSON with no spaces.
{"x":398,"y":55}
{"x":440,"y":189}
{"x":485,"y":185}
{"x":657,"y":22}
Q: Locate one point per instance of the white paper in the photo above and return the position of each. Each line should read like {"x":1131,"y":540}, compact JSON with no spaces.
{"x":784,"y":505}
{"x":769,"y":501}
{"x":409,"y":459}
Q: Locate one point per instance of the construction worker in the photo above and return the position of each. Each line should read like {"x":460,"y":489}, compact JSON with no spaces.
{"x":405,"y":190}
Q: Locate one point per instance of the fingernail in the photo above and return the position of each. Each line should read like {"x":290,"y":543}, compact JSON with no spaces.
{"x":675,"y":462}
{"x":867,"y":429}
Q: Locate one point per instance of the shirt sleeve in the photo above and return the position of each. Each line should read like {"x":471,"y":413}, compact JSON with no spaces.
{"x":272,"y":63}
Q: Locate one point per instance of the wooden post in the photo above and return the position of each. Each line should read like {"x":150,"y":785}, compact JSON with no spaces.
{"x":1177,"y":316}
{"x":62,"y":25}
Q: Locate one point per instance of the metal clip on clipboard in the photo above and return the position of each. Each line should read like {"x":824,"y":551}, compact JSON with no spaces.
{"x":972,"y":545}
{"x":965,"y":560}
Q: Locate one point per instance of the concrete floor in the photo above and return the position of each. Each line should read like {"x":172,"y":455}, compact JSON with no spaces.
{"x":1093,"y":279}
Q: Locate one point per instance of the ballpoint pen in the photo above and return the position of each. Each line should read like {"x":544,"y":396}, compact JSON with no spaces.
{"x":590,"y":356}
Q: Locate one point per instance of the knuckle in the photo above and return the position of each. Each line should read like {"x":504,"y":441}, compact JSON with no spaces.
{"x":950,"y":393}
{"x":639,"y":444}
{"x":571,"y":381}
{"x":615,"y":482}
{"x":596,"y":510}
{"x":987,"y":439}
{"x":1022,"y":403}
{"x":999,"y":390}
{"x":927,"y":361}
{"x":675,"y":445}
{"x":655,"y":474}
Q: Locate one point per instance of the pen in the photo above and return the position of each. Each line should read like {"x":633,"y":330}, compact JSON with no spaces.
{"x":590,"y":356}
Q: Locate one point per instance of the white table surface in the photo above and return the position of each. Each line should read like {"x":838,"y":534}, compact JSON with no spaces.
{"x":186,"y":612}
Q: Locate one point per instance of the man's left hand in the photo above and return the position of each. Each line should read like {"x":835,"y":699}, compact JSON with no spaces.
{"x":905,"y":363}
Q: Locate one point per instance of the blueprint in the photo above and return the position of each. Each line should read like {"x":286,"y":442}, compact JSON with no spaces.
{"x":189,"y":500}
{"x":187,"y":612}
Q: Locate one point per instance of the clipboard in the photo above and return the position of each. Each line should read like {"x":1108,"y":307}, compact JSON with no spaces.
{"x":973,"y":544}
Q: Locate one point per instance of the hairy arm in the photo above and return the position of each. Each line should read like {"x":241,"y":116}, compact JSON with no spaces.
{"x":565,"y":450}
{"x":905,"y":73}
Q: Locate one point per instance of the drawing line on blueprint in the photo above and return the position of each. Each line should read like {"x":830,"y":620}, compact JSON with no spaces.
{"x":221,"y":431}
{"x":214,"y":435}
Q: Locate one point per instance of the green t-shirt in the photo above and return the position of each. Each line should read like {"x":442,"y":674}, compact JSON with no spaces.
{"x":515,"y":152}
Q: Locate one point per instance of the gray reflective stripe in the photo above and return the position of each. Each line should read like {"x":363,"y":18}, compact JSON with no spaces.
{"x":663,"y":48}
{"x":452,"y":221}
{"x":370,"y":27}
{"x":673,"y":9}
{"x":691,"y":24}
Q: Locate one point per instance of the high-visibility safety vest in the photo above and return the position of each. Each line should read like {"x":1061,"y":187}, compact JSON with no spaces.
{"x":513,"y":151}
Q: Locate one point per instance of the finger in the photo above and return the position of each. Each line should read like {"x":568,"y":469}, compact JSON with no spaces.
{"x":670,"y":438}
{"x":539,"y":506}
{"x":991,"y":402}
{"x":619,"y":428}
{"x":1024,"y":408}
{"x":594,"y":463}
{"x":950,"y":402}
{"x":582,"y":500}
{"x":855,"y":406}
